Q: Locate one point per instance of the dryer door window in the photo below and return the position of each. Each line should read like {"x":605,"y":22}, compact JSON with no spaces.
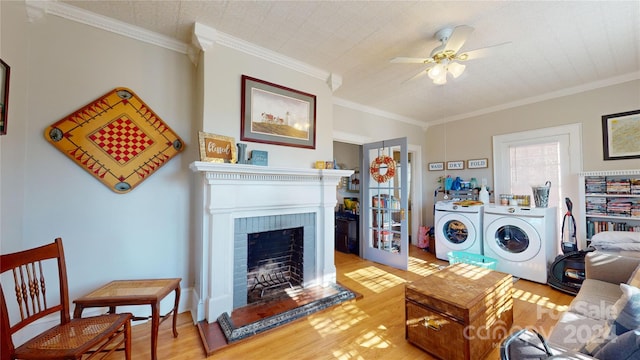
{"x":455,"y":232}
{"x":512,"y":239}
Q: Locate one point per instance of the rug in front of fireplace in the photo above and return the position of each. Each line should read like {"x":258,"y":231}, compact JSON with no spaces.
{"x":233,"y":333}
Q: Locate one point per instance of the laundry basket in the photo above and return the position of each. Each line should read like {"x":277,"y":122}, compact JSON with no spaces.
{"x":472,"y":259}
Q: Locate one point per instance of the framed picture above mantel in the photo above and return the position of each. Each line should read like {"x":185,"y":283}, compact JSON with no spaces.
{"x":277,"y":115}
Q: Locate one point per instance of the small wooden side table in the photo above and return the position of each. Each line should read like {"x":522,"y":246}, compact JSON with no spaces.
{"x":135,"y":292}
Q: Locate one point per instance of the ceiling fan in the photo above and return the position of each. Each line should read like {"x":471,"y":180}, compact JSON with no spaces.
{"x":446,"y":57}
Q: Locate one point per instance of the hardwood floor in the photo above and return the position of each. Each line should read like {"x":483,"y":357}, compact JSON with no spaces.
{"x":369,"y":328}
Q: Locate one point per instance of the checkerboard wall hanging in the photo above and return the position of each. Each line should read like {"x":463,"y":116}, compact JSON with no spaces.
{"x":117,"y":138}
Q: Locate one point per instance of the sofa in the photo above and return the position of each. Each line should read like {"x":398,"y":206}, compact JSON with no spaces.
{"x":603,"y":321}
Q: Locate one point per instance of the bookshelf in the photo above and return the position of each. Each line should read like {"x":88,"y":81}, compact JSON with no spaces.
{"x":610,"y":201}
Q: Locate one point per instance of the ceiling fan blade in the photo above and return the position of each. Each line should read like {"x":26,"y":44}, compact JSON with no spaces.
{"x":482,"y":52}
{"x":410,"y":60}
{"x":422,"y":73}
{"x":457,"y":39}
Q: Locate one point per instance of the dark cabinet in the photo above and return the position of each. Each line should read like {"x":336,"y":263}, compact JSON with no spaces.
{"x":346,"y":234}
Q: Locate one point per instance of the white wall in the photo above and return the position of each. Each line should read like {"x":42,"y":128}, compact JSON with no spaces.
{"x":472,"y":138}
{"x":223,"y":69}
{"x":57,"y":67}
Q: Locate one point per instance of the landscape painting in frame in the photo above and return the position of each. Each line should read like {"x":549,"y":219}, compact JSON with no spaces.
{"x":274,"y":114}
{"x":621,"y":135}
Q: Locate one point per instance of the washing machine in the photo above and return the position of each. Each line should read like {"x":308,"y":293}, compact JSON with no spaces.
{"x":457,"y":228}
{"x":522,"y":239}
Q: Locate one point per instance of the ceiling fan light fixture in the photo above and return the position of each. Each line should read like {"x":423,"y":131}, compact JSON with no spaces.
{"x":436,"y":71}
{"x":456,"y":69}
{"x":441,"y":79}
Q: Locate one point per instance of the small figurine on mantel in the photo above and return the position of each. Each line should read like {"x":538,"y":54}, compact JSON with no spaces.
{"x":242,"y":153}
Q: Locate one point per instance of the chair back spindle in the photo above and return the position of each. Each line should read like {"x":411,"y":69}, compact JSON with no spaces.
{"x":32,"y":277}
{"x":70,"y":339}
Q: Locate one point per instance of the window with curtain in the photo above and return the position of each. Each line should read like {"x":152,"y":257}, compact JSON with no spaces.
{"x":533,"y":165}
{"x":529,"y":158}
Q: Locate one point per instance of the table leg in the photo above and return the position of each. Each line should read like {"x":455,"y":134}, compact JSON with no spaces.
{"x":175,"y":311}
{"x":155,"y":324}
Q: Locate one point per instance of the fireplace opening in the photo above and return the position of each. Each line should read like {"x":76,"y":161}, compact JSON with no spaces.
{"x":274,"y":263}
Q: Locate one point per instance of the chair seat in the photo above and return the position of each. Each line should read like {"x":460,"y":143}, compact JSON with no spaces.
{"x":76,"y":337}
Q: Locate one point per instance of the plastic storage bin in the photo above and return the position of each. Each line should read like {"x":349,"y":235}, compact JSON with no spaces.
{"x":472,"y":259}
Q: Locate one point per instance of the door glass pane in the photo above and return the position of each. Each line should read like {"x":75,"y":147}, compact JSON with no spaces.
{"x":384,"y":195}
{"x":512,"y":239}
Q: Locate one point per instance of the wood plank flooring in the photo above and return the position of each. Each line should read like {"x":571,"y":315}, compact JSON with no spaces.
{"x":369,"y":328}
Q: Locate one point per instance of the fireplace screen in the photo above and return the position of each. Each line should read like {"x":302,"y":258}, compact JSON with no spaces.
{"x":274,"y":262}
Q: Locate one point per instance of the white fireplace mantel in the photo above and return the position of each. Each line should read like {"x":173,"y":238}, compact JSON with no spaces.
{"x":231,"y":191}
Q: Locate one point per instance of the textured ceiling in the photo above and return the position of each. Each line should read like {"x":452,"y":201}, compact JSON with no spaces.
{"x":557,"y":47}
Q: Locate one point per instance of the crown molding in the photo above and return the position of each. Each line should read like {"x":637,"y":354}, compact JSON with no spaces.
{"x":220,"y":38}
{"x":102,"y":22}
{"x":370,"y":110}
{"x":334,"y":81}
{"x":548,"y":96}
{"x":203,"y":38}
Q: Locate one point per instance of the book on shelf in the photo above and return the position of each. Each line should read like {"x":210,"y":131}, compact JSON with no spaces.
{"x":595,"y":226}
{"x":618,"y":186}
{"x":635,"y":186}
{"x":596,"y":185}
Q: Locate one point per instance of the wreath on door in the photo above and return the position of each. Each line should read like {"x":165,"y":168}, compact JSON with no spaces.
{"x":374,"y":169}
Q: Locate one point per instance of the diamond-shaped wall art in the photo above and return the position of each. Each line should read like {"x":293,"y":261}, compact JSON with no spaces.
{"x":117,"y":138}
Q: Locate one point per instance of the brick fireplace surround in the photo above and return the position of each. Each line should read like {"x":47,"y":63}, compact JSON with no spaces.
{"x":230,"y":194}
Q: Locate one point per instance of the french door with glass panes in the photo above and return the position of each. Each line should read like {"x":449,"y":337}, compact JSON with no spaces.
{"x":384,"y":202}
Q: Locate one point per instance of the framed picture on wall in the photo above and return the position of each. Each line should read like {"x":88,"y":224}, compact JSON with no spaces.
{"x":5,"y":71}
{"x":621,"y":135}
{"x":436,"y":166}
{"x":477,"y":163}
{"x":274,"y":114}
{"x":455,"y":165}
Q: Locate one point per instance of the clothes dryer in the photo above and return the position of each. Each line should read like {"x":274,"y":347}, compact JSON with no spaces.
{"x":457,"y":228}
{"x":522,"y":239}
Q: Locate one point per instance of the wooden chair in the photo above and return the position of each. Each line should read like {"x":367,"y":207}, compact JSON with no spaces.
{"x":71,"y":339}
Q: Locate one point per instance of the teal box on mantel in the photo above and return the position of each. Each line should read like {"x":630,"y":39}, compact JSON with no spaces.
{"x":259,"y":157}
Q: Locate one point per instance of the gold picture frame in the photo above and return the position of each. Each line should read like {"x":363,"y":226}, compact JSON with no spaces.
{"x":217,"y":148}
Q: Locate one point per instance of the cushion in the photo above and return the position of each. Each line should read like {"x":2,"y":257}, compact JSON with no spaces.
{"x":627,"y":292}
{"x":634,"y":279}
{"x":624,"y":347}
{"x":596,"y":298}
{"x":608,"y":237}
{"x":565,"y":334}
{"x":625,"y":315}
{"x":597,"y":341}
{"x":628,"y":318}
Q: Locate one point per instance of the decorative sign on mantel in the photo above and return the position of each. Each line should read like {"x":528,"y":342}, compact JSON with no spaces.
{"x":259,"y":157}
{"x":117,"y":138}
{"x":217,"y":148}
